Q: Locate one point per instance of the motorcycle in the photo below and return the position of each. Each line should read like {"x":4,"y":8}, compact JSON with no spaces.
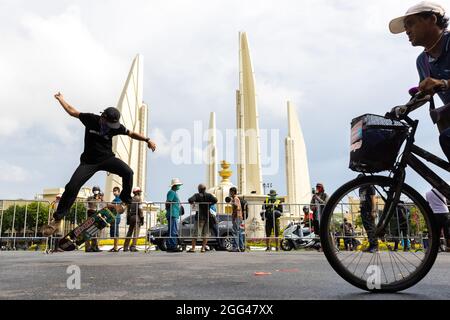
{"x":297,"y":236}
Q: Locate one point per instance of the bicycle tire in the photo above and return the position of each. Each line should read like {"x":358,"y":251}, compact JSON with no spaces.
{"x":330,"y":251}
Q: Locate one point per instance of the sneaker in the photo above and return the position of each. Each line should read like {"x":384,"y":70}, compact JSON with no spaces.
{"x":53,"y":227}
{"x":134,"y":249}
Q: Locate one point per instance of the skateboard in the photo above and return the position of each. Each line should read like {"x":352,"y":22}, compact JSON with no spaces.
{"x":87,"y":230}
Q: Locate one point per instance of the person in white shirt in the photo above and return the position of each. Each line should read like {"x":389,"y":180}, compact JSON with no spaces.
{"x":438,"y":204}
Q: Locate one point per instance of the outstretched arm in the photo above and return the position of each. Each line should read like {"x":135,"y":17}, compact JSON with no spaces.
{"x":69,"y":109}
{"x":140,"y":137}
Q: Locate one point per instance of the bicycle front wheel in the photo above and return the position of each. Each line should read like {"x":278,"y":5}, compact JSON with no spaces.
{"x":393,"y":262}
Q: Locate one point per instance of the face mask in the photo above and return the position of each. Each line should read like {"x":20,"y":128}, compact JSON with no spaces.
{"x":177,"y":188}
{"x":104,"y":129}
{"x":96,"y":192}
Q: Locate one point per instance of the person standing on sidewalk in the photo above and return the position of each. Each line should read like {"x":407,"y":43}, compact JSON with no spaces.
{"x":237,"y":218}
{"x":135,"y":220}
{"x":203,"y":218}
{"x":318,"y":201}
{"x":173,"y":210}
{"x":369,"y":209}
{"x":438,"y":204}
{"x":272,"y":211}
{"x":93,"y":205}
{"x":97,"y":156}
{"x":114,"y":229}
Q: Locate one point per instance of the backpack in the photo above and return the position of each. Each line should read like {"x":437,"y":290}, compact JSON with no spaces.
{"x":244,"y":207}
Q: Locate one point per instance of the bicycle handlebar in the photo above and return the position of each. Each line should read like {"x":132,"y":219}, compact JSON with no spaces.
{"x":418,"y":100}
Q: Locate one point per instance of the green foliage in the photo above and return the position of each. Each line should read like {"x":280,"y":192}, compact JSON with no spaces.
{"x":26,"y":216}
{"x":77,"y":213}
{"x":161,"y":217}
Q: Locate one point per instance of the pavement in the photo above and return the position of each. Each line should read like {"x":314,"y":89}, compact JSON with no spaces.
{"x":194,"y":276}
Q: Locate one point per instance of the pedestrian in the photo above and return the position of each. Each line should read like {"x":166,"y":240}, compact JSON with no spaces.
{"x":348,"y":232}
{"x":272,"y":211}
{"x":97,"y":156}
{"x":368,"y":208}
{"x":318,"y":201}
{"x":438,"y":204}
{"x":203,"y":200}
{"x":93,"y":205}
{"x":307,"y":217}
{"x":237,"y":220}
{"x":135,"y":220}
{"x":399,"y":227}
{"x":173,"y":212}
{"x":114,"y":229}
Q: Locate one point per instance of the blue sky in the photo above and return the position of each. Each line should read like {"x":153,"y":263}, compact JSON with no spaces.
{"x":333,"y":59}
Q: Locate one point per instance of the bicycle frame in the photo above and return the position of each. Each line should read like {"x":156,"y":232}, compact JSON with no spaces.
{"x":409,"y":158}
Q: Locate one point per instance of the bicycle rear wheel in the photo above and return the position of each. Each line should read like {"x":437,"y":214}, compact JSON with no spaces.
{"x":404,"y":255}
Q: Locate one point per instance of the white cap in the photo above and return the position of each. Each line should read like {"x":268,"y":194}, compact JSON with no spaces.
{"x":176,"y":182}
{"x":397,"y":25}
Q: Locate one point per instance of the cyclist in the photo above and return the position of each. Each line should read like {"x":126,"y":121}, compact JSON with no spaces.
{"x":426,"y":26}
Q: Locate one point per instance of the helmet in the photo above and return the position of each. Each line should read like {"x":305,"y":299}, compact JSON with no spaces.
{"x":137,"y":190}
{"x":306,"y":208}
{"x":96,"y":190}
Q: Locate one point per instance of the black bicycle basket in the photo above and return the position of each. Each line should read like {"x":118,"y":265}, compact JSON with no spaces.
{"x":375,"y":143}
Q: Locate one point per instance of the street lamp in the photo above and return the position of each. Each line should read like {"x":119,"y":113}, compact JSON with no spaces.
{"x":267,"y":185}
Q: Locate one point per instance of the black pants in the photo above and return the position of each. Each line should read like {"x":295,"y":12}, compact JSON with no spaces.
{"x":443,"y":223}
{"x":369,"y":225}
{"x":84,"y":172}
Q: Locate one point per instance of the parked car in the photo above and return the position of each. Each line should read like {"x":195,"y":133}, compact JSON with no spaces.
{"x":158,"y":234}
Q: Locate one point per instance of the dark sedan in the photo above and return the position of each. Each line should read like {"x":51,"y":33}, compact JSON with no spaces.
{"x":158,"y":234}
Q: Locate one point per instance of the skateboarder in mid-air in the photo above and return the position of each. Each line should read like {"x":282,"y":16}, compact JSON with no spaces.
{"x":97,"y":156}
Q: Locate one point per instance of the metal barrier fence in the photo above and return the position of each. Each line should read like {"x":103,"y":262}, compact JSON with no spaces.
{"x":20,"y":223}
{"x":290,"y":226}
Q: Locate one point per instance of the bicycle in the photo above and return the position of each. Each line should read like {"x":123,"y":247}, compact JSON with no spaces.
{"x":384,"y":268}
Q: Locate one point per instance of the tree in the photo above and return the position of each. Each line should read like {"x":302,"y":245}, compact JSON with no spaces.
{"x":31,"y":216}
{"x":161,"y":217}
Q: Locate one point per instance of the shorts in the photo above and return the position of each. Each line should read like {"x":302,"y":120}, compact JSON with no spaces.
{"x":202,"y":229}
{"x":270,"y":226}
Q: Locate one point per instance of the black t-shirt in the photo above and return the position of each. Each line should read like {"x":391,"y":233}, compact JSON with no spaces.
{"x":365,"y":197}
{"x":205,"y":200}
{"x":97,"y":140}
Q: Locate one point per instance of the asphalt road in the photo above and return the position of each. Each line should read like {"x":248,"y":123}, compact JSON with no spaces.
{"x":213,"y":275}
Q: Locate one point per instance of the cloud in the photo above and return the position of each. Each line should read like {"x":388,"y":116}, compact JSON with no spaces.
{"x":49,"y":54}
{"x":334,"y":59}
{"x":12,"y":173}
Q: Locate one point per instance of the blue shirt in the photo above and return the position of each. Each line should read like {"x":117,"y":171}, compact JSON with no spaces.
{"x":117,"y":200}
{"x":439,"y":68}
{"x":172,"y":196}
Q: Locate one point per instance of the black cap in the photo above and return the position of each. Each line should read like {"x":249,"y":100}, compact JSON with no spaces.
{"x":112,"y":117}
